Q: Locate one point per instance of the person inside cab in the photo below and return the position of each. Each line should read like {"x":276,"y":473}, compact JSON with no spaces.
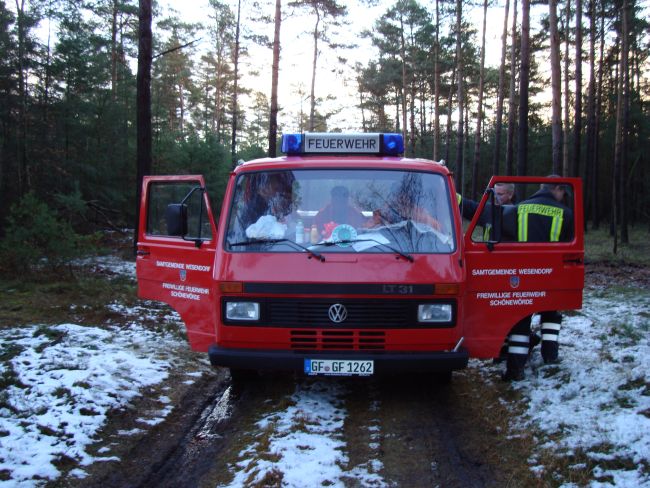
{"x":403,"y":205}
{"x":264,"y":206}
{"x":339,"y":210}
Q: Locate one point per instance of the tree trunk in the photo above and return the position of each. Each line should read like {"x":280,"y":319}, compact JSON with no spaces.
{"x":619,"y":139}
{"x":556,"y":104}
{"x":412,"y":118}
{"x":273,"y":117}
{"x":479,"y":118}
{"x":114,"y":50}
{"x":498,"y":128}
{"x":625,"y":74}
{"x":567,"y":102}
{"x":235,"y":101}
{"x":312,"y":108}
{"x":449,"y":107}
{"x":143,"y":106}
{"x":436,"y":87}
{"x":522,"y":139}
{"x":599,"y":101}
{"x":512,"y":107}
{"x":461,"y":103}
{"x":577,"y":128}
{"x":403,"y":54}
{"x":21,"y":140}
{"x":591,"y":163}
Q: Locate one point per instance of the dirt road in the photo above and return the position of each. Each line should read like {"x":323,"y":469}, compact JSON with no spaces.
{"x":353,"y":432}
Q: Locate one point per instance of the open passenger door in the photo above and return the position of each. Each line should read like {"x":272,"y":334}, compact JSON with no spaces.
{"x":176,"y":248}
{"x":509,"y":278}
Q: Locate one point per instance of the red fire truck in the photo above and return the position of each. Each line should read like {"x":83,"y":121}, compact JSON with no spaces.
{"x":344,"y":258}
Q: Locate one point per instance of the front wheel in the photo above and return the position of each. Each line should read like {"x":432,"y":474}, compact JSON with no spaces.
{"x":242,"y":376}
{"x":442,"y":377}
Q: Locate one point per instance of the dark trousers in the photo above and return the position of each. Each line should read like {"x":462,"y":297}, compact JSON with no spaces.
{"x":518,"y":344}
{"x":550,"y":324}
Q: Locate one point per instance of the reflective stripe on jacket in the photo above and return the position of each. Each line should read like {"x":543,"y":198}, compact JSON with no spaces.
{"x":541,"y":218}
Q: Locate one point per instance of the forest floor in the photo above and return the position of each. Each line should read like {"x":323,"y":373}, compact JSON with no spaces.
{"x":100,"y":389}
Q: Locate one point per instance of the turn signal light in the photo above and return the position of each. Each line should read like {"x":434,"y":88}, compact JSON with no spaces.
{"x":231,"y":287}
{"x":446,"y":289}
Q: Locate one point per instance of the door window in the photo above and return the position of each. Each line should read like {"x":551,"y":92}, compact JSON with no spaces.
{"x":162,"y":194}
{"x":525,"y":212}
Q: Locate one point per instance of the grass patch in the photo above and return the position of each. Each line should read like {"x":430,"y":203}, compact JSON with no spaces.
{"x":635,"y":384}
{"x":56,"y":299}
{"x":10,"y":351}
{"x":9,"y":378}
{"x":48,"y":431}
{"x":271,"y":479}
{"x":624,"y":330}
{"x":599,"y":246}
{"x":576,"y":467}
{"x":88,"y":412}
{"x":64,"y":462}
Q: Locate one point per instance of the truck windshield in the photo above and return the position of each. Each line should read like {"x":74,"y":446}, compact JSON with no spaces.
{"x":328,"y":211}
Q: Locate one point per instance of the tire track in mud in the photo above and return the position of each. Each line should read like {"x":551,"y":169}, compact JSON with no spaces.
{"x":395,"y":431}
{"x":203,"y":456}
{"x":412,"y":429}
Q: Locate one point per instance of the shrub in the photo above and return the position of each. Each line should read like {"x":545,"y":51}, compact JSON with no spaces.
{"x":35,"y":236}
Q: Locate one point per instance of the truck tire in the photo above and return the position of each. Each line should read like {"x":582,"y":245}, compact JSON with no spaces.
{"x":442,"y":377}
{"x":242,"y":376}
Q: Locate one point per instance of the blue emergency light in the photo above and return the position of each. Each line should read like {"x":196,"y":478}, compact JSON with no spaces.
{"x":341,"y":143}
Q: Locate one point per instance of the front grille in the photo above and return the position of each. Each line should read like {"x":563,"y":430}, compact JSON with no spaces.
{"x":341,"y":340}
{"x":300,"y":313}
{"x":387,"y":313}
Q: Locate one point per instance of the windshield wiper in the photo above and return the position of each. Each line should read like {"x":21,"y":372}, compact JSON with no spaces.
{"x":318,"y":256}
{"x":406,"y":256}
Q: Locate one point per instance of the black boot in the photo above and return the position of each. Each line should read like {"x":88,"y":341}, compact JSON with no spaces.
{"x":550,"y":326}
{"x":512,"y":374}
{"x":550,"y":352}
{"x":518,"y":346}
{"x":535,"y":338}
{"x":503,"y":354}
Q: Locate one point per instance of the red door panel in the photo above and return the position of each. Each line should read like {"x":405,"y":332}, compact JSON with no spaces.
{"x":516,"y":279}
{"x":177,"y":270}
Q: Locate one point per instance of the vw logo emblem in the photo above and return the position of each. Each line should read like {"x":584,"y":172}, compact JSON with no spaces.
{"x":337,"y":313}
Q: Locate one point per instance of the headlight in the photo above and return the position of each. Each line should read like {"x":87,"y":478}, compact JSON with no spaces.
{"x":242,"y":311}
{"x":434,"y":312}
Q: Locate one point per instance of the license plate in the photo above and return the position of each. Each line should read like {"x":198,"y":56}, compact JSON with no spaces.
{"x":335,"y":367}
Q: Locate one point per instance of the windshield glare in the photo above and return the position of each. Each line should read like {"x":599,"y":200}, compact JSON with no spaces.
{"x":341,"y":211}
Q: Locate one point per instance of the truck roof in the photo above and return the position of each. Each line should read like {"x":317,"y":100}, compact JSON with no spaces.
{"x":355,"y":161}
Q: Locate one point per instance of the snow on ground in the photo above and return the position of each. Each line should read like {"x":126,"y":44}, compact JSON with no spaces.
{"x":59,"y":382}
{"x":597,"y":400}
{"x":113,"y":265}
{"x":304,"y":444}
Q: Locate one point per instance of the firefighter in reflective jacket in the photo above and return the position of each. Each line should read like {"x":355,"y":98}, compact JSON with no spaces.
{"x":541,"y":218}
{"x":504,"y":195}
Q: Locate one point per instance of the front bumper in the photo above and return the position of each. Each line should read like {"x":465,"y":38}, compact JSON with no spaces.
{"x":385,"y":362}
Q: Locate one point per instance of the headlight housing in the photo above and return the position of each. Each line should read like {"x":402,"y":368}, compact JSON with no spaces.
{"x":429,"y":313}
{"x":245,"y":311}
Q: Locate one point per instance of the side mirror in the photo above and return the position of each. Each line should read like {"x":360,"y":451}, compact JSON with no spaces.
{"x":496,"y":220}
{"x":176,"y":219}
{"x":497,"y":223}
